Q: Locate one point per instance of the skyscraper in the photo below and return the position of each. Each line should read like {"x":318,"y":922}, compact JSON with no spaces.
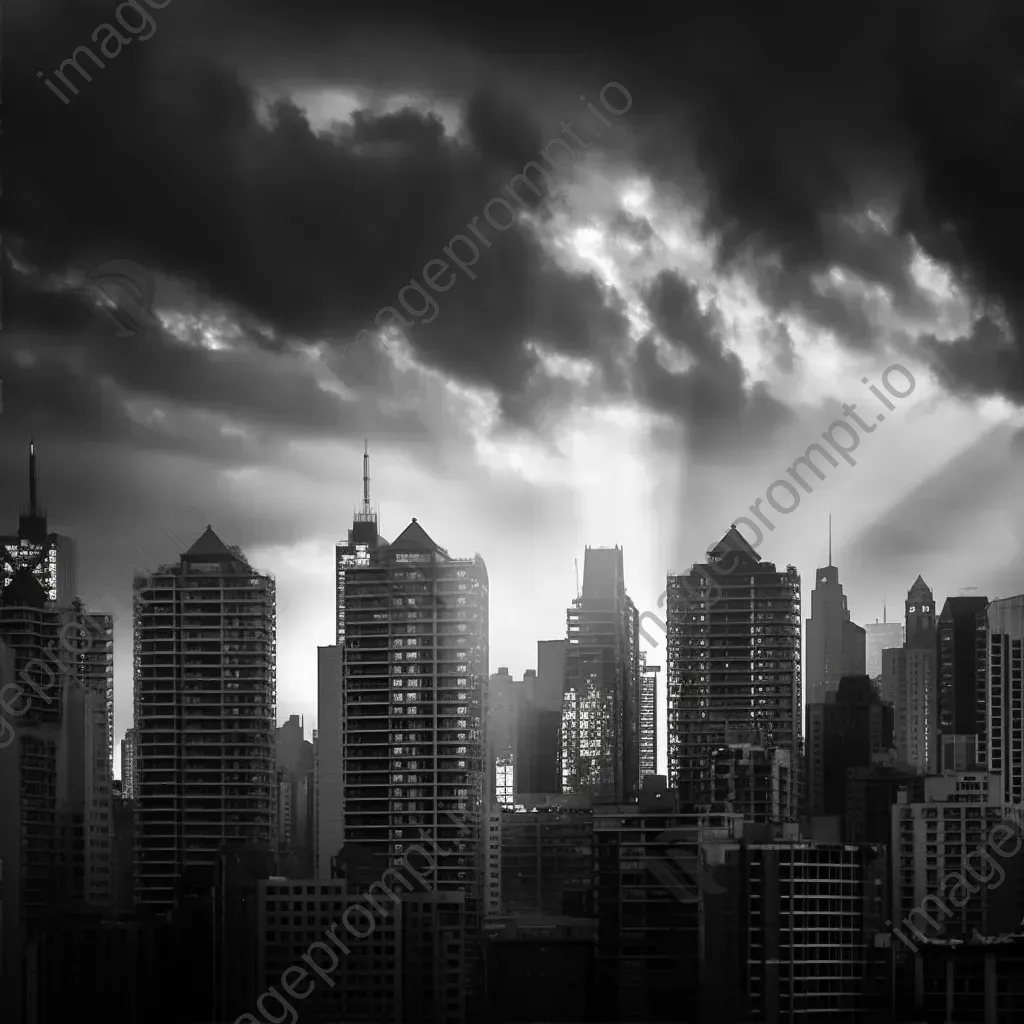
{"x":733,"y":629}
{"x":413,"y":628}
{"x":877,"y":637}
{"x":205,"y":711}
{"x":504,"y":700}
{"x":50,"y":557}
{"x":909,"y":675}
{"x":835,"y":645}
{"x":1004,"y":694}
{"x":540,"y":721}
{"x":294,"y":757}
{"x":55,"y":792}
{"x":600,"y":736}
{"x":961,"y":635}
{"x":129,"y":777}
{"x":648,"y":717}
{"x":842,"y":733}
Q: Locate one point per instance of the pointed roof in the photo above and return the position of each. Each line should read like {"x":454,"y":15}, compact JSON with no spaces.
{"x":415,"y":538}
{"x":732,"y":543}
{"x":209,"y":545}
{"x":919,"y":588}
{"x":24,"y":591}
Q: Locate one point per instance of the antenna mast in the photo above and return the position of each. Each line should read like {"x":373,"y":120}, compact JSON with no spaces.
{"x":367,"y":510}
{"x":33,"y":495}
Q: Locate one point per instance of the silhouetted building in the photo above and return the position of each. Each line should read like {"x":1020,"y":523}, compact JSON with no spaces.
{"x":945,"y":838}
{"x":541,"y":720}
{"x":910,"y":675}
{"x":329,"y":760}
{"x":384,"y":951}
{"x":835,"y":645}
{"x":650,"y":876}
{"x":793,"y":930}
{"x":878,"y":636}
{"x":504,"y":702}
{"x":961,"y":637}
{"x":547,"y":862}
{"x":871,"y":794}
{"x":600,"y":733}
{"x":295,"y":837}
{"x":541,"y":968}
{"x":50,"y":557}
{"x":845,"y":732}
{"x":733,"y":661}
{"x":1004,"y":694}
{"x":754,"y":782}
{"x":205,"y":708}
{"x":55,"y":786}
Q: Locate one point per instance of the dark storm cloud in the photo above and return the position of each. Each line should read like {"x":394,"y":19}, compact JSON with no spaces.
{"x":710,"y":396}
{"x":795,"y":122}
{"x":796,"y":119}
{"x":164,"y":159}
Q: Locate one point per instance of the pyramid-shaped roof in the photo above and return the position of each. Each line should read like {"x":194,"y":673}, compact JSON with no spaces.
{"x":919,"y":588}
{"x":24,"y":591}
{"x":415,"y":538}
{"x":732,"y":543}
{"x":210,"y":545}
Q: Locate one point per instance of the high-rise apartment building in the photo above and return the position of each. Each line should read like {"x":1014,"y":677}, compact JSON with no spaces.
{"x":933,"y":845}
{"x":600,"y":737}
{"x":733,"y":632}
{"x":1004,"y":693}
{"x":540,"y":719}
{"x":129,"y":778}
{"x":413,"y":628}
{"x":328,"y":760}
{"x":504,"y":701}
{"x":50,"y":557}
{"x":55,"y":787}
{"x":878,"y":636}
{"x":910,"y":676}
{"x":648,"y":718}
{"x":835,"y":645}
{"x":294,"y":757}
{"x":205,"y":712}
{"x":962,"y":632}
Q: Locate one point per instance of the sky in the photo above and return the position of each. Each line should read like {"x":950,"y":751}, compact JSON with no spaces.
{"x":785,"y":206}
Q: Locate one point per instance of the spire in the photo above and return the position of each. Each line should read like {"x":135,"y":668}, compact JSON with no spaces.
{"x":33,"y":492}
{"x":367,"y":510}
{"x":830,"y":539}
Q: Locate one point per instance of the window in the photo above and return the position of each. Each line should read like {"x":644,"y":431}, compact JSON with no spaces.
{"x":912,"y":608}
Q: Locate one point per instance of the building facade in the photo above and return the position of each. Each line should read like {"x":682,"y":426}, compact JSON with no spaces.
{"x":205,"y":712}
{"x":648,"y":718}
{"x":835,"y":645}
{"x":414,"y":670}
{"x":878,"y":636}
{"x":50,"y":557}
{"x":910,"y":675}
{"x":961,"y":638}
{"x":845,"y":732}
{"x":600,"y":733}
{"x":733,"y":629}
{"x":1004,"y":691}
